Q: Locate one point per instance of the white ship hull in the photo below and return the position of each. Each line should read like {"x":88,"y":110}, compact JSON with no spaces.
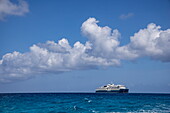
{"x":111,"y":88}
{"x":113,"y":91}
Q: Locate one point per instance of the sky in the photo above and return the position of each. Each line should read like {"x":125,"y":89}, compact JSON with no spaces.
{"x":79,"y":45}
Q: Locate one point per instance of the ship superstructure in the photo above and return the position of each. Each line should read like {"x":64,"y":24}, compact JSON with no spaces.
{"x":111,"y":88}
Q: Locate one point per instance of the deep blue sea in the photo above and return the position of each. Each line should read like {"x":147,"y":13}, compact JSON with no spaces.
{"x":83,"y":103}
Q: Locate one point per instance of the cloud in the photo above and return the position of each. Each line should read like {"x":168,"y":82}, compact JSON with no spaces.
{"x":50,"y":57}
{"x":103,"y":39}
{"x":8,"y":8}
{"x":126,"y":16}
{"x":102,"y":49}
{"x":151,"y":41}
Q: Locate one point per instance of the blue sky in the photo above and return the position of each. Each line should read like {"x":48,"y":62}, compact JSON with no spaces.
{"x":40,"y":21}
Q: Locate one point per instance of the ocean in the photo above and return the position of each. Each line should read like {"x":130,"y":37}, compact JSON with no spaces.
{"x":83,"y":103}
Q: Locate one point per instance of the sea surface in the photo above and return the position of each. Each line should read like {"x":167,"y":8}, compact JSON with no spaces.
{"x":83,"y":103}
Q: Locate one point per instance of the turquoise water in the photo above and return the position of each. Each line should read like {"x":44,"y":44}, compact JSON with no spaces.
{"x":83,"y":103}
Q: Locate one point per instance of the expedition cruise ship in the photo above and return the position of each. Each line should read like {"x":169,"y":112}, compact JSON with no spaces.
{"x":111,"y":88}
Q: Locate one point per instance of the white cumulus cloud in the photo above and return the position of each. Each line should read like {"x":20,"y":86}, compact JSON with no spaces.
{"x":102,"y":49}
{"x":151,"y":41}
{"x":104,"y":40}
{"x":9,"y":8}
